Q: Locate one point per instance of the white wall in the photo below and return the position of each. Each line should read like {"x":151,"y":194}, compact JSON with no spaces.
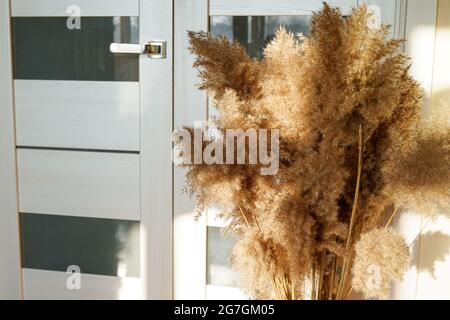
{"x":428,"y":44}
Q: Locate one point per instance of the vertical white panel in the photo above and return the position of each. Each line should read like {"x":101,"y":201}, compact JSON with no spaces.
{"x":434,"y":270}
{"x":10,"y":282}
{"x":441,"y":74}
{"x":420,"y":35}
{"x":156,"y":146}
{"x":189,"y":106}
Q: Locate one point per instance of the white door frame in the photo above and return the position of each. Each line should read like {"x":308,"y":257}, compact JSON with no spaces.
{"x":155,"y":156}
{"x":156,"y":94}
{"x":190,"y":104}
{"x":10,"y":274}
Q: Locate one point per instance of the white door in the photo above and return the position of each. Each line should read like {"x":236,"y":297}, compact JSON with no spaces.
{"x":201,"y":268}
{"x":92,"y":140}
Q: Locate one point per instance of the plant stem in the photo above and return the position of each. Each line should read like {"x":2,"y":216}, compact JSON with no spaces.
{"x":349,"y":291}
{"x":347,"y":258}
{"x":332,"y":278}
{"x":273,"y":279}
{"x":313,"y":282}
{"x":391,"y":218}
{"x":321,"y":274}
{"x":293,"y":290}
{"x":256,"y":222}
{"x":245,"y":218}
{"x":358,"y":184}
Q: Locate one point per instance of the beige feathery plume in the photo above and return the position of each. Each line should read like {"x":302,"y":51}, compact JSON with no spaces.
{"x":381,"y":256}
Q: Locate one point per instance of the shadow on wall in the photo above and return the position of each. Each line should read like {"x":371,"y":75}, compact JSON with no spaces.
{"x":435,"y":248}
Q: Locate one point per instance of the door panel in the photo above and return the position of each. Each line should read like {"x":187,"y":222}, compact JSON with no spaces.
{"x":51,"y":285}
{"x":10,"y":279}
{"x":78,"y":114}
{"x":78,"y":183}
{"x":93,"y":148}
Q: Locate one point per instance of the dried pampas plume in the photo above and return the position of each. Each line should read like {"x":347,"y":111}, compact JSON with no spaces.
{"x":352,"y":144}
{"x":381,"y":256}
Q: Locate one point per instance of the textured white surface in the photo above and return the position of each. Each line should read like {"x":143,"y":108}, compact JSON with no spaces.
{"x":10,"y":287}
{"x":77,"y":114}
{"x":51,"y":285}
{"x":87,"y":184}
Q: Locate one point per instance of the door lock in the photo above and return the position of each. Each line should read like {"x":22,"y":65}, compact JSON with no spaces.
{"x":154,"y":49}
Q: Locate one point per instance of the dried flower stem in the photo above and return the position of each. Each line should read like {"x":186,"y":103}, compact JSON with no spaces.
{"x":275,"y":288}
{"x":281,"y":287}
{"x":358,"y":185}
{"x":321,"y":274}
{"x":348,"y":247}
{"x":349,"y":291}
{"x":332,"y":278}
{"x":391,"y":218}
{"x":256,"y":221}
{"x":243,"y":216}
{"x":313,"y":282}
{"x":347,"y":276}
{"x":293,"y":291}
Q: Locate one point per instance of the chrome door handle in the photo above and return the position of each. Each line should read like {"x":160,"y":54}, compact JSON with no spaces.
{"x":154,"y":49}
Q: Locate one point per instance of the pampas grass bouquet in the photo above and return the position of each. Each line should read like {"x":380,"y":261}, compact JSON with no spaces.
{"x":354,"y":152}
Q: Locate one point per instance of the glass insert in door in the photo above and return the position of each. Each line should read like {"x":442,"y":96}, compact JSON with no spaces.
{"x":44,"y":48}
{"x":107,"y":247}
{"x":219,"y":249}
{"x":78,"y":149}
{"x":254,"y":32}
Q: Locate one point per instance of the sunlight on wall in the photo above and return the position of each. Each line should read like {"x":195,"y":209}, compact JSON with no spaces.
{"x":434,"y":266}
{"x":409,"y":225}
{"x":433,"y":281}
{"x":419,"y":47}
{"x":130,"y":289}
{"x":420,"y":37}
{"x":189,"y":256}
{"x":429,"y":48}
{"x":441,"y":74}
